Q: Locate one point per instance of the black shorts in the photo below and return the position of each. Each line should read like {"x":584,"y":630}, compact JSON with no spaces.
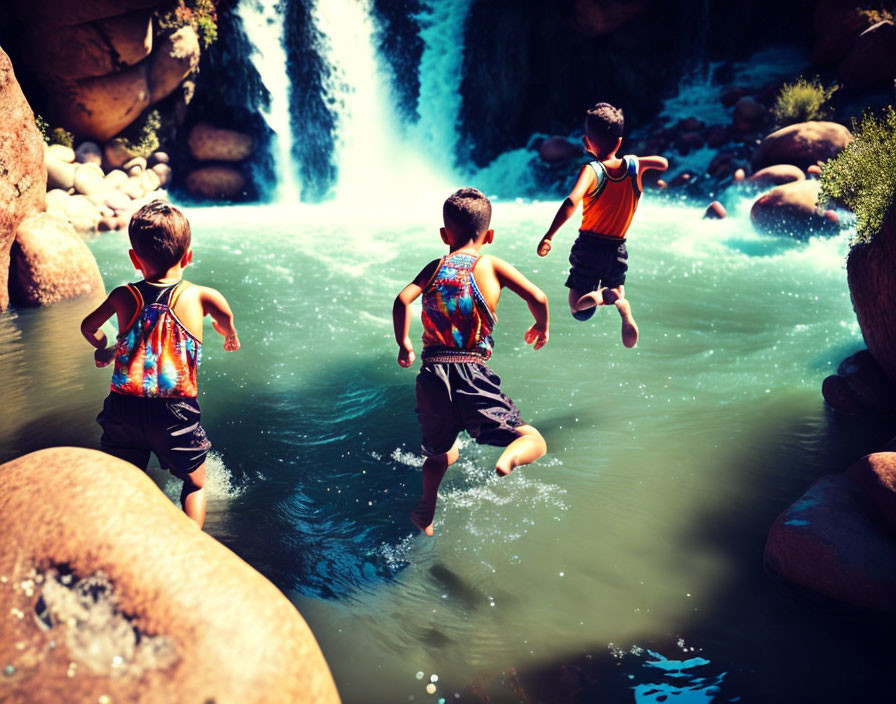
{"x":134,"y":426}
{"x":463,"y":396}
{"x":597,"y":262}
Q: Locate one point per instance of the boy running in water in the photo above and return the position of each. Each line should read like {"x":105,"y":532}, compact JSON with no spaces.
{"x":610,"y":187}
{"x":456,"y":390}
{"x":152,"y":404}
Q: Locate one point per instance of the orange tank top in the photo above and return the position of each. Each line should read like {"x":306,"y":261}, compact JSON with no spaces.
{"x":608,"y":209}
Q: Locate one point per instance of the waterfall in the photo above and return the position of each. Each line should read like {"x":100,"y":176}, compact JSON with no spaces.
{"x":263,"y":23}
{"x":441,"y":72}
{"x":372,"y":150}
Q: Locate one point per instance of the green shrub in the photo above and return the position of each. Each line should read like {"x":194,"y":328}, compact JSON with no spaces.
{"x":800,"y":101}
{"x":863,"y":176}
{"x":201,"y":15}
{"x":54,"y":135}
{"x":142,"y":137}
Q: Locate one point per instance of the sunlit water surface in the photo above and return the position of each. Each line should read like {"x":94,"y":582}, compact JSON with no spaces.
{"x":624,"y":566}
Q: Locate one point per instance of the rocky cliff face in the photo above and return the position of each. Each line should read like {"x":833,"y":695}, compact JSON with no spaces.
{"x":23,"y":176}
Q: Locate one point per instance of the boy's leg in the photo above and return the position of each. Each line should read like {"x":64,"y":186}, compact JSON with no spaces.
{"x":527,"y":448}
{"x":192,"y":495}
{"x":434,"y":469}
{"x":616,"y":296}
{"x":580,"y":304}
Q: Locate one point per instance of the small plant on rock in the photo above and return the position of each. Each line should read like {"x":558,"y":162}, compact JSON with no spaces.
{"x":802,"y":100}
{"x":142,"y":137}
{"x":201,"y":15}
{"x":53,"y":135}
{"x":863,"y":176}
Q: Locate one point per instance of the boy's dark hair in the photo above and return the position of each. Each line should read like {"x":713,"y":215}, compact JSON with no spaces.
{"x":467,"y":213}
{"x":603,"y":126}
{"x":160,"y":234}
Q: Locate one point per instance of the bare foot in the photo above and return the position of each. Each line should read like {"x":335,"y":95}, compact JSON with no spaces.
{"x":422,"y":518}
{"x":629,"y":327}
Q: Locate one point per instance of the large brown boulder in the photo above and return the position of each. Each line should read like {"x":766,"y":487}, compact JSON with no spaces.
{"x":216,"y":182}
{"x":51,"y":263}
{"x":172,"y":61}
{"x":111,"y":594}
{"x":52,"y":14}
{"x":101,"y":107}
{"x":832,"y":542}
{"x":23,"y":177}
{"x":557,"y":150}
{"x":88,"y":50}
{"x":876,"y":475}
{"x":208,"y":143}
{"x":871,"y":272}
{"x":872,"y":60}
{"x":802,"y":144}
{"x":791,"y":209}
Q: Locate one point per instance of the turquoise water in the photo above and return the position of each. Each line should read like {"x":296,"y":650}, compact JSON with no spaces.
{"x":635,"y":543}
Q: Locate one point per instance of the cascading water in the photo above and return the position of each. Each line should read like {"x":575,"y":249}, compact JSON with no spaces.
{"x":263,"y":23}
{"x":440,"y":74}
{"x":371,"y":151}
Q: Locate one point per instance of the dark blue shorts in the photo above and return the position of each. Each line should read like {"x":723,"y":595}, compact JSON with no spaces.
{"x":134,"y":426}
{"x":597,"y":262}
{"x":463,"y":396}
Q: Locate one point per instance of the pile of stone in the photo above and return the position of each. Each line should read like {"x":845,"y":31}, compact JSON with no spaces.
{"x":219,"y":156}
{"x":97,"y":190}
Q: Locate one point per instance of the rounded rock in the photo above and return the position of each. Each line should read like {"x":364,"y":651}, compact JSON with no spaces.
{"x":715,"y":211}
{"x":164,"y":173}
{"x":216,"y":182}
{"x":777,"y":175}
{"x":137,"y":162}
{"x":791,"y":209}
{"x":89,"y":153}
{"x":802,"y":145}
{"x":209,"y":143}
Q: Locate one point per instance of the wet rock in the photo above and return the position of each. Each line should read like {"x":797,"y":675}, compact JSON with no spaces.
{"x":51,"y":263}
{"x":715,"y":136}
{"x":860,"y":386}
{"x":749,"y":115}
{"x":832,"y":542}
{"x":115,"y":154}
{"x":150,"y":611}
{"x":871,"y":273}
{"x":777,"y":175}
{"x":685,"y":178}
{"x":715,"y":211}
{"x":875,"y":474}
{"x":739,"y":175}
{"x":60,"y":152}
{"x":802,"y":145}
{"x":208,"y":143}
{"x":158,"y":158}
{"x":594,"y":18}
{"x":164,"y":173}
{"x":175,"y":57}
{"x":731,"y":94}
{"x":872,"y":60}
{"x":690,"y":124}
{"x":686,"y":142}
{"x":722,"y":165}
{"x":216,"y":182}
{"x":137,"y":162}
{"x":23,"y":178}
{"x":59,"y":174}
{"x":791,"y":209}
{"x":89,"y":153}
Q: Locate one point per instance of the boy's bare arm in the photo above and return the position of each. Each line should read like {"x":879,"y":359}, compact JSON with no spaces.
{"x":646,"y":163}
{"x":215,"y":305}
{"x":401,"y":313}
{"x":567,"y":208}
{"x":509,"y":276}
{"x":90,"y":328}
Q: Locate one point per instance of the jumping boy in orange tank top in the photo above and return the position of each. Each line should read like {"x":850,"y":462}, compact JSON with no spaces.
{"x":152,"y":404}
{"x":610,"y":187}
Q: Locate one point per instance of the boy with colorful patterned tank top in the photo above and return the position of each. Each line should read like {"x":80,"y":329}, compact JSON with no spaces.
{"x":152,"y":404}
{"x":610,"y":188}
{"x":456,"y":390}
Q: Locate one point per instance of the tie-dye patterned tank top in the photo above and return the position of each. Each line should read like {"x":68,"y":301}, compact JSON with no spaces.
{"x":157,"y":356}
{"x":457,"y":322}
